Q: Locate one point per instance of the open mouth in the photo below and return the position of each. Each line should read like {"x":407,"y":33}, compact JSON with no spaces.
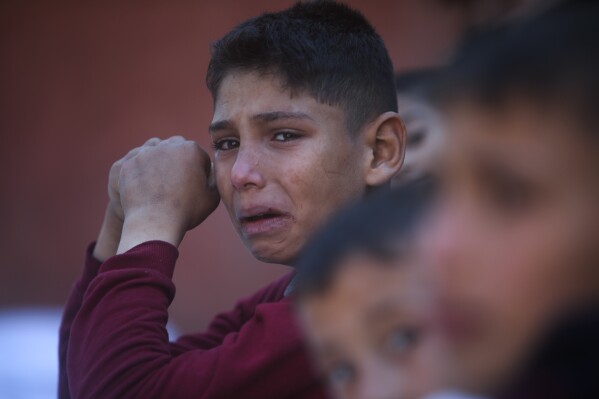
{"x":260,"y":216}
{"x":264,"y":222}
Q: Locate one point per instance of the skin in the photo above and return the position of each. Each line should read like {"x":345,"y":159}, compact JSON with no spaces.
{"x":282,"y":159}
{"x":512,"y":243}
{"x":425,"y":139}
{"x":369,"y":331}
{"x":156,"y":192}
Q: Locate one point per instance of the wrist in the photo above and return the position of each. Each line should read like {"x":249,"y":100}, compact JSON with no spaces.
{"x":109,"y":236}
{"x":151,"y":225}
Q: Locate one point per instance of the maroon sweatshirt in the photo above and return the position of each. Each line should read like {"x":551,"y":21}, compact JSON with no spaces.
{"x":114,"y":343}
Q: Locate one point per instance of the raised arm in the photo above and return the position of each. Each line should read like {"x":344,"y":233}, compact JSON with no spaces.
{"x":166,"y":190}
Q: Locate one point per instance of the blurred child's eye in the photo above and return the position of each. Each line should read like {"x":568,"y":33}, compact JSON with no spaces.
{"x":401,"y":339}
{"x":286,"y":136}
{"x":506,"y":191}
{"x":225,"y":144}
{"x":509,"y":194}
{"x":341,"y":373}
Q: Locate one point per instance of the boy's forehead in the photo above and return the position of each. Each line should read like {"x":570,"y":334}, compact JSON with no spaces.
{"x":366,"y":280}
{"x":363,"y":296}
{"x":247,"y":93}
{"x":262,"y":88}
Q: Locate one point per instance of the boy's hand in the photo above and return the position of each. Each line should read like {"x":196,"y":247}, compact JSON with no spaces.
{"x":157,"y":192}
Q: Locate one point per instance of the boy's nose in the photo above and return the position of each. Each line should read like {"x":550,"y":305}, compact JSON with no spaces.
{"x":246,"y":172}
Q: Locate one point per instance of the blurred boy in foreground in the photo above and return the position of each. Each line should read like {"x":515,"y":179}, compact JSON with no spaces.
{"x":509,"y":249}
{"x":362,"y":303}
{"x":512,"y":246}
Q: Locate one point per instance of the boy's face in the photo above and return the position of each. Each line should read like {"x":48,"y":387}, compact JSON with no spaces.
{"x":368,"y":331}
{"x":425,"y":138}
{"x":514,"y":238}
{"x":283,"y":163}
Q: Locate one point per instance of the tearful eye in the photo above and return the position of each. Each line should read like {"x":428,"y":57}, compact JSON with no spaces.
{"x":285,"y":136}
{"x":400,"y":340}
{"x":225,"y":144}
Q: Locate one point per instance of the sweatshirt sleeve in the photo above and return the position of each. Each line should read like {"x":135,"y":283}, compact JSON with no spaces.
{"x":118,"y":345}
{"x":90,"y":270}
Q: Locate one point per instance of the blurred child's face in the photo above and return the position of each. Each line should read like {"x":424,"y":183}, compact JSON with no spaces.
{"x":369,"y":333}
{"x":424,"y":138}
{"x":514,"y":238}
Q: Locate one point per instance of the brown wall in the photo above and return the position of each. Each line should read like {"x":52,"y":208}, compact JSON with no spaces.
{"x":82,"y":83}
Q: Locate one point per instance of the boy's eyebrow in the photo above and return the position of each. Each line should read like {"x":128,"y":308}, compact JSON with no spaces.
{"x":261,"y":118}
{"x":276,"y":115}
{"x":220,"y":125}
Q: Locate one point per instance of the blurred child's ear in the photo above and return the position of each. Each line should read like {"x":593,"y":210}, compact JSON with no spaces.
{"x":385,"y":139}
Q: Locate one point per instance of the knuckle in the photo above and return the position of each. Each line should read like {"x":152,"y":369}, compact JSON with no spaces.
{"x":117,"y":165}
{"x":176,"y":138}
{"x":131,"y":153}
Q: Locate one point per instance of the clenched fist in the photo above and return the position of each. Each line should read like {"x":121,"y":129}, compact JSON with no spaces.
{"x":157,"y":192}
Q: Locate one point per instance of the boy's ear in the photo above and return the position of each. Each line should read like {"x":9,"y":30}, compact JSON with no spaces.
{"x":385,"y":139}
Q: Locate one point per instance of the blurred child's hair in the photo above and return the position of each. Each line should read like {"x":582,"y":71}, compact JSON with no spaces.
{"x":377,"y":227}
{"x":552,"y":59}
